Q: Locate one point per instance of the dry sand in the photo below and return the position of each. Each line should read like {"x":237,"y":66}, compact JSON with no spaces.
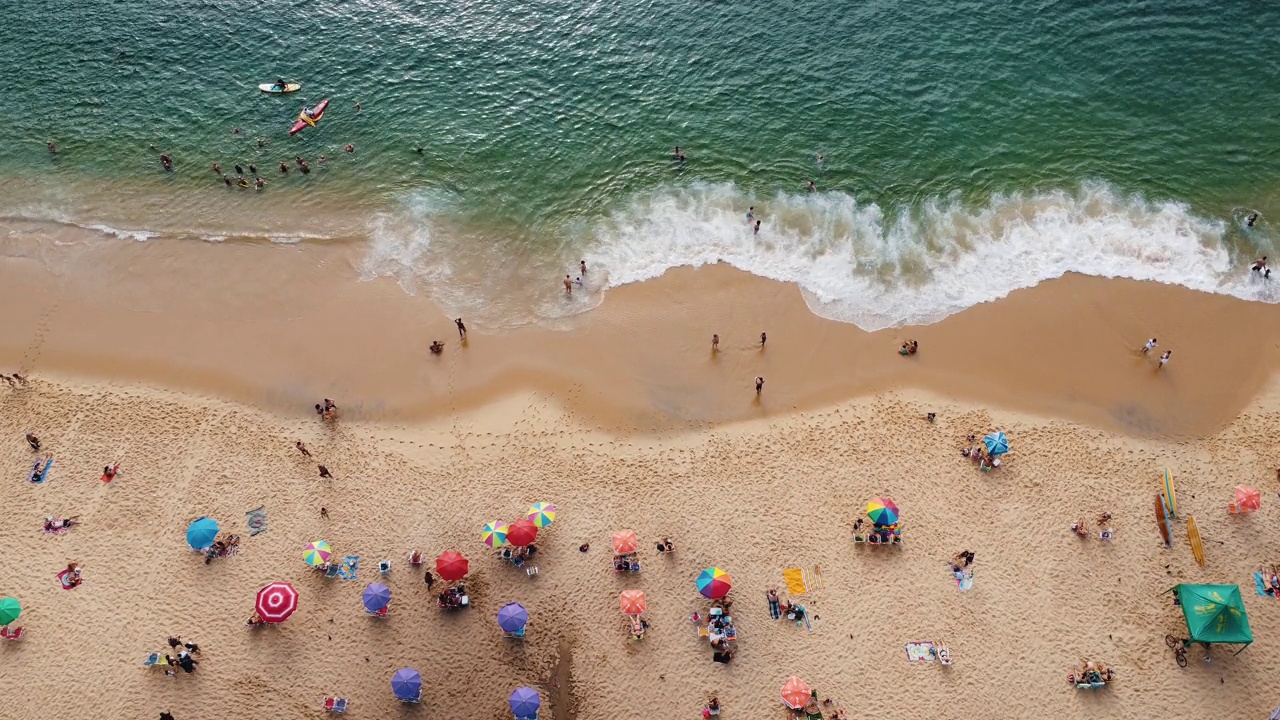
{"x":626,"y":421}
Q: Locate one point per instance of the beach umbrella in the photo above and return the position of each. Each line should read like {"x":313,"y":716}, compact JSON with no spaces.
{"x":796,"y":693}
{"x":451,"y":566}
{"x":624,"y":541}
{"x":407,"y":685}
{"x":10,"y":609}
{"x":525,"y":702}
{"x":883,"y":512}
{"x":542,"y":514}
{"x":317,"y":553}
{"x":632,"y":602}
{"x":494,"y":534}
{"x":997,"y":443}
{"x":276,"y":602}
{"x":512,"y":617}
{"x":376,"y":597}
{"x":522,"y":533}
{"x":200,"y":534}
{"x":714,"y":583}
{"x":1248,"y":499}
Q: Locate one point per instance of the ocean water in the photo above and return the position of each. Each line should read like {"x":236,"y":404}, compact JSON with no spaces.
{"x":967,"y":149}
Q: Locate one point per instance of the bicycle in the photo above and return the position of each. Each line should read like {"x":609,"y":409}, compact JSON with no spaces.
{"x":1179,"y":647}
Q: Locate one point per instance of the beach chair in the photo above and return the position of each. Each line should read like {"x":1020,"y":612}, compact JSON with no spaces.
{"x":944,"y":655}
{"x":1106,"y":535}
{"x":9,"y":633}
{"x":384,"y":567}
{"x":333,"y":570}
{"x":335,"y":705}
{"x":704,"y":632}
{"x":531,"y":571}
{"x":859,"y":538}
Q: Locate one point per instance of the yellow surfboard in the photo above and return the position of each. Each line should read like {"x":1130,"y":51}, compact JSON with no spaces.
{"x":1170,"y":499}
{"x":1193,"y":537}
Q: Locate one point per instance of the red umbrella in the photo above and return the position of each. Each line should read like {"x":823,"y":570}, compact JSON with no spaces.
{"x":276,"y":602}
{"x":1248,"y":499}
{"x":522,"y":533}
{"x":451,"y":566}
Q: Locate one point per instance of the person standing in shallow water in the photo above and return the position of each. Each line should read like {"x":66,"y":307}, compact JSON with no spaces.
{"x":568,"y":285}
{"x":462,"y":329}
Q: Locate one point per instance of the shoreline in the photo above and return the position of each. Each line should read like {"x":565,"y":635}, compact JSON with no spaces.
{"x":279,"y":327}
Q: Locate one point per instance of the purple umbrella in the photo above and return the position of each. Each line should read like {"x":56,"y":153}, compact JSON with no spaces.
{"x":525,"y":702}
{"x":376,"y":597}
{"x":407,"y":685}
{"x":512,"y":617}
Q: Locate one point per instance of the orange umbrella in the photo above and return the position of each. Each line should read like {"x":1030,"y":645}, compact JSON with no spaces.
{"x":624,"y":541}
{"x":1248,"y":499}
{"x":632,"y":602}
{"x":795,"y":693}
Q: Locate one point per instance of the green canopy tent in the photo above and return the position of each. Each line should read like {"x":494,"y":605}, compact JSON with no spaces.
{"x":1215,"y":614}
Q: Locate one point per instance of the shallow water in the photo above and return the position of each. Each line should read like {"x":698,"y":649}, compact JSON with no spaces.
{"x":967,"y":149}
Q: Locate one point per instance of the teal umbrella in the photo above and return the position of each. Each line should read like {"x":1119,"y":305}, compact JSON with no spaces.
{"x":10,"y":609}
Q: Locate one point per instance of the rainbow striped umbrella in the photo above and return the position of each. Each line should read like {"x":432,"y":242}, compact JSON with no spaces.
{"x":494,"y":534}
{"x":317,"y":553}
{"x":883,"y":512}
{"x":714,"y":583}
{"x":542,"y":514}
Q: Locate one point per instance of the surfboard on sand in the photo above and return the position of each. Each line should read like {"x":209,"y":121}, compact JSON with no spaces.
{"x":1170,"y":497}
{"x":274,"y":89}
{"x":1193,"y":537}
{"x":1162,"y":520}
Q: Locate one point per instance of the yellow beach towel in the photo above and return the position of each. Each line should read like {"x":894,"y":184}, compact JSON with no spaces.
{"x":794,"y":578}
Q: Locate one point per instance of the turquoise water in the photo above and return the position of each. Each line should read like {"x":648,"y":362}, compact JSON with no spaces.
{"x":1043,"y":136}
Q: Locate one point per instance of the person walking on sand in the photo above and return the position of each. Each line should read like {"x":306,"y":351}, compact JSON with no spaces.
{"x":568,"y":285}
{"x":34,"y":442}
{"x":759,"y":384}
{"x":1151,"y":345}
{"x":462,"y":329}
{"x":715,"y":343}
{"x":763,"y":338}
{"x":22,"y":380}
{"x":302,"y":449}
{"x":324,"y":473}
{"x":1164,"y":359}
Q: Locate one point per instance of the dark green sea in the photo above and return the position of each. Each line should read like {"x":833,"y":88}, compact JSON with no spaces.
{"x":967,"y":149}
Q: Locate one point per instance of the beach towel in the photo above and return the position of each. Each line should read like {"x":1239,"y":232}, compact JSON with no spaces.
{"x":964,"y":580}
{"x":62,"y":581}
{"x":794,"y":578}
{"x":1260,"y":586}
{"x":813,"y":578}
{"x":920,"y":651}
{"x":256,"y":519}
{"x":44,"y":473}
{"x":775,"y":609}
{"x":350,"y":564}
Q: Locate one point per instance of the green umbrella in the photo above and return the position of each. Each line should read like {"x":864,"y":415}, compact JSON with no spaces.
{"x":1215,"y":614}
{"x":10,"y":609}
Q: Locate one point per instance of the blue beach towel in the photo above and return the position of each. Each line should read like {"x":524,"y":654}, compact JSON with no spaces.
{"x":350,"y":564}
{"x":1260,"y":585}
{"x":964,"y":580}
{"x":44,"y":474}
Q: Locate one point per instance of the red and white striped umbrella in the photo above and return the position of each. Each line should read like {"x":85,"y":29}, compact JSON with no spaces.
{"x":276,"y":602}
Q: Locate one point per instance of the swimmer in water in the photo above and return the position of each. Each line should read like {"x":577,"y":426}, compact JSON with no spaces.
{"x":242,"y":183}
{"x":819,"y":158}
{"x":359,"y":107}
{"x":253,"y":169}
{"x":751,"y":214}
{"x":1260,"y":264}
{"x":322,"y":159}
{"x":305,"y":168}
{"x":350,"y":148}
{"x":812,"y":188}
{"x":284,"y":168}
{"x":1253,"y":218}
{"x":262,"y":142}
{"x":259,"y":183}
{"x":226,"y":179}
{"x":216,"y":167}
{"x":166,"y":162}
{"x":568,"y":285}
{"x":418,"y":149}
{"x":756,"y":231}
{"x":582,"y":266}
{"x":239,"y":170}
{"x":53,"y":148}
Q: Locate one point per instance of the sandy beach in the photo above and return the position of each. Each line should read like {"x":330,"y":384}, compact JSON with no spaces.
{"x":198,"y":373}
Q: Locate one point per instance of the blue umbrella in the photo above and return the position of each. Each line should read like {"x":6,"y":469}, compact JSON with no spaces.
{"x":997,"y":443}
{"x":201,"y":533}
{"x":525,"y":702}
{"x":512,"y":617}
{"x":376,"y":597}
{"x":407,"y":685}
